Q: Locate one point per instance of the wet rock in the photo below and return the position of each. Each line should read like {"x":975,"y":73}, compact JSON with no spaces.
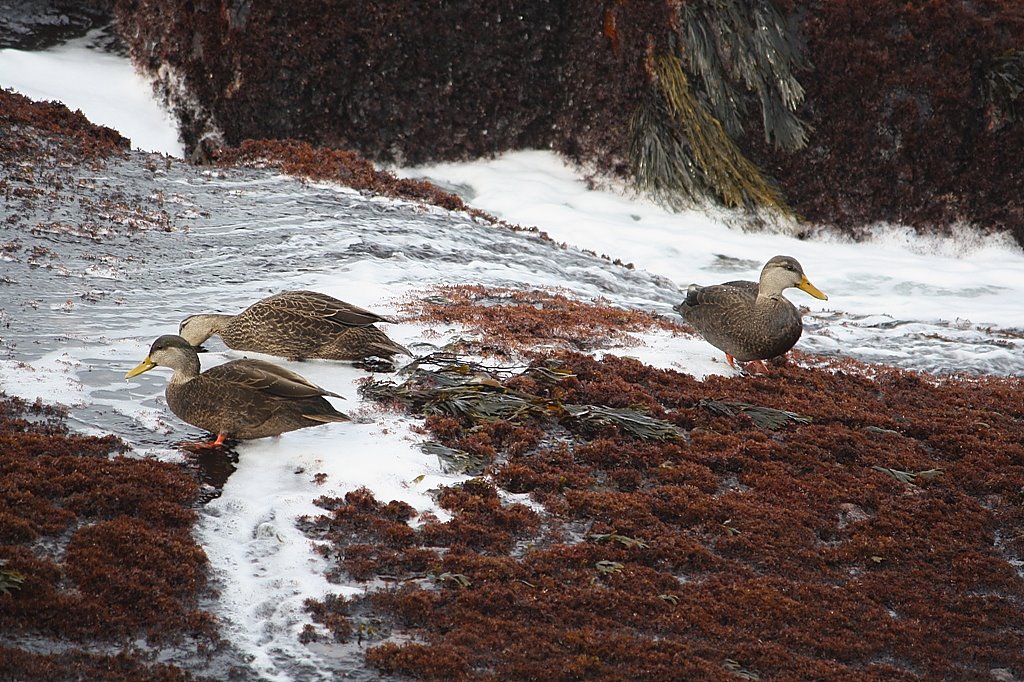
{"x":38,"y":24}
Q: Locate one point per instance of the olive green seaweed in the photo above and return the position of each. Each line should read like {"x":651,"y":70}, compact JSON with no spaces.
{"x":478,"y":394}
{"x":1004,"y":85}
{"x":764,"y":417}
{"x":738,"y":41}
{"x":736,"y":180}
{"x":662,"y":163}
{"x":682,"y":134}
{"x":10,"y":579}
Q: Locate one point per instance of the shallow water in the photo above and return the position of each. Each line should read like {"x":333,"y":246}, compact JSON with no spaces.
{"x":206,"y":241}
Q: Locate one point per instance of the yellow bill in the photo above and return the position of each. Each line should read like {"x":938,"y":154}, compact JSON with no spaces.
{"x":143,"y":366}
{"x":806,"y":285}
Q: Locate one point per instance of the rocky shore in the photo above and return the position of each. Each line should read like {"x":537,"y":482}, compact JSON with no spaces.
{"x":831,"y":520}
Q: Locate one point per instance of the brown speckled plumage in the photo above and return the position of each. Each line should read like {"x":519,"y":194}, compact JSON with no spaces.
{"x":297,"y":325}
{"x":241,"y":399}
{"x":750,"y":320}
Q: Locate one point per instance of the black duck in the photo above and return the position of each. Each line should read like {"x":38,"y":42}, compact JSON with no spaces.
{"x":298,"y":325}
{"x":750,"y":321}
{"x":241,"y":399}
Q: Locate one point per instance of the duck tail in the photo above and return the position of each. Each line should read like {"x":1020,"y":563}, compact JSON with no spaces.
{"x":329,"y":418}
{"x":389,"y":348}
{"x":691,"y":299}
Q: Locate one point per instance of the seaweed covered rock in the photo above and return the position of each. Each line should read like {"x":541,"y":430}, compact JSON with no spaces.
{"x":415,"y":82}
{"x":94,"y":551}
{"x":51,"y":134}
{"x":829,"y":522}
{"x":844,"y":112}
{"x":916,"y":110}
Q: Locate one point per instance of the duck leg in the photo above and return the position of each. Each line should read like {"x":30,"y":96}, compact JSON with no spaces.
{"x":752,"y":367}
{"x":208,"y":445}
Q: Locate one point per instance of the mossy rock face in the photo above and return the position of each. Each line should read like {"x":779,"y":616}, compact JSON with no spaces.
{"x":902,"y":116}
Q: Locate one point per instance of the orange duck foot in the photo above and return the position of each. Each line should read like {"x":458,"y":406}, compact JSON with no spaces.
{"x":207,"y":445}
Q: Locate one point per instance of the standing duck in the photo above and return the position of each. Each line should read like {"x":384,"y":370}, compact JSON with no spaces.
{"x":298,"y":325}
{"x":750,"y":321}
{"x":241,"y":399}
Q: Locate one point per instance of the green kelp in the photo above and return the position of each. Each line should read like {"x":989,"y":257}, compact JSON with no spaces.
{"x":10,"y":579}
{"x":908,"y":476}
{"x":1004,"y":85}
{"x":683,"y":135}
{"x":678,"y":146}
{"x":660,"y":157}
{"x":478,"y":394}
{"x":726,"y":42}
{"x":765,"y":417}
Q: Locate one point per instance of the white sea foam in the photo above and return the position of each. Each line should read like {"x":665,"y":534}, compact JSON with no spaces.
{"x":105,"y":87}
{"x":52,"y":378}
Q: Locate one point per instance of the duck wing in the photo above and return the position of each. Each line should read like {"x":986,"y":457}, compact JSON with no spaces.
{"x":742,"y":284}
{"x":713,"y":300}
{"x":357,"y":343}
{"x":721,"y":314}
{"x":697,"y":295}
{"x":267,"y":378}
{"x":317,"y":306}
{"x":219,"y":405}
{"x":261,"y":404}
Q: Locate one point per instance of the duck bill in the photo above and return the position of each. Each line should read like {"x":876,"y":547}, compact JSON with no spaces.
{"x":143,"y":366}
{"x":806,"y":285}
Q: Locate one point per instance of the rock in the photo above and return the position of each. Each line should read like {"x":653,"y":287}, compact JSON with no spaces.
{"x":39,"y":24}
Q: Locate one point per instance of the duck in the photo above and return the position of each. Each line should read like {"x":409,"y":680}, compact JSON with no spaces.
{"x":238,"y":400}
{"x":298,"y":325}
{"x":750,"y":321}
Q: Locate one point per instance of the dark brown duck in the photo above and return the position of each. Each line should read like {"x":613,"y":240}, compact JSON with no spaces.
{"x":750,"y":320}
{"x":298,"y":325}
{"x":241,"y":399}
